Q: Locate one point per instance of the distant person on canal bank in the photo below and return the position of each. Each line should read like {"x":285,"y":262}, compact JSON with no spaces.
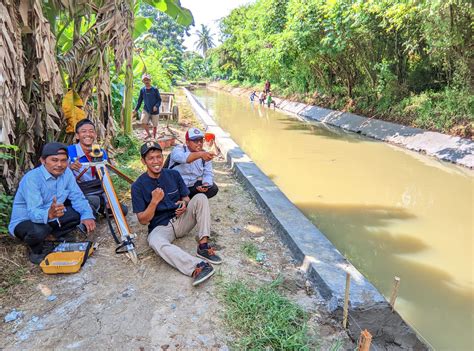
{"x":270,"y":101}
{"x":150,"y":96}
{"x":194,"y":164}
{"x":253,"y":96}
{"x":267,"y":87}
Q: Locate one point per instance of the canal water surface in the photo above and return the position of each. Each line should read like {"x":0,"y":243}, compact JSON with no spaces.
{"x":390,"y":211}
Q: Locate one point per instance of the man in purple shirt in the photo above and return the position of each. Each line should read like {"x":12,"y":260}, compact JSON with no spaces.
{"x":49,"y":201}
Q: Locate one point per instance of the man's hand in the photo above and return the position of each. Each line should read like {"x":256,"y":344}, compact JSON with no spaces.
{"x":207,"y":156}
{"x":203,"y":188}
{"x":89,"y":224}
{"x":182,"y":207}
{"x":76,"y":165}
{"x":56,"y":210}
{"x":157,"y":195}
{"x":155,"y":109}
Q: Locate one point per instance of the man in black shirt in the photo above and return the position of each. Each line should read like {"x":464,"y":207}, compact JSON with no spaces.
{"x":160,"y":199}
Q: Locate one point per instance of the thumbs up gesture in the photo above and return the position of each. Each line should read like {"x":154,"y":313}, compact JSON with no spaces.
{"x":56,"y":209}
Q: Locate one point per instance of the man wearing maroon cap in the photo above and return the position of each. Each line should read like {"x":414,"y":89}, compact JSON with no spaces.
{"x":49,"y":201}
{"x":194,"y":164}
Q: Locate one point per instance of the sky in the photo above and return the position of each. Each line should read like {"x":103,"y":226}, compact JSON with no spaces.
{"x":208,"y":12}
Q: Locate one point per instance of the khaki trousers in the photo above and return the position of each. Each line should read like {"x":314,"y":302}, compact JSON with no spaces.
{"x":161,"y":237}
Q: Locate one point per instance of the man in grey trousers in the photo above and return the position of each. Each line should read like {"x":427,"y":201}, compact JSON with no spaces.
{"x":160,"y":199}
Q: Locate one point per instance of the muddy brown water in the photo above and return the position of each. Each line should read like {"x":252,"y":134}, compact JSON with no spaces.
{"x":390,"y":211}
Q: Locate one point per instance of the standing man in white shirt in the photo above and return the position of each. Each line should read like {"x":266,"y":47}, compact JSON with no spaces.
{"x":194,"y":164}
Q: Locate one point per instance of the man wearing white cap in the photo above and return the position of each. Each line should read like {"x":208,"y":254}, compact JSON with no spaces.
{"x":151,"y":98}
{"x":194,"y":164}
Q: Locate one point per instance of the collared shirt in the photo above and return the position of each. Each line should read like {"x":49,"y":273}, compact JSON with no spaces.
{"x":75,"y":151}
{"x":35,"y":196}
{"x":191,"y":172}
{"x":173,"y":187}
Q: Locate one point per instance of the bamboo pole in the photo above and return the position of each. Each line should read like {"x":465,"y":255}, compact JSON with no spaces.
{"x":346,"y":301}
{"x":365,"y":339}
{"x":393,"y":298}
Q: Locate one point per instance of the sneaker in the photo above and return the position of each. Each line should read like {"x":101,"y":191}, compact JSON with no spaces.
{"x":36,"y":258}
{"x":209,"y":255}
{"x":202,"y":273}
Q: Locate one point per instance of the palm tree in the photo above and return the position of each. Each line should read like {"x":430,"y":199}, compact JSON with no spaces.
{"x":204,"y":41}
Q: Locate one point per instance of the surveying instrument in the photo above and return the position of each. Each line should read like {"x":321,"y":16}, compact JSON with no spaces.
{"x":125,"y":242}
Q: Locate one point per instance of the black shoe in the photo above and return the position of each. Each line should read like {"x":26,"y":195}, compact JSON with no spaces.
{"x":209,"y":255}
{"x":202,"y":273}
{"x":36,"y":258}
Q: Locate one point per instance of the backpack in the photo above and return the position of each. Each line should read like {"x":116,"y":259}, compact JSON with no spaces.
{"x":166,"y":164}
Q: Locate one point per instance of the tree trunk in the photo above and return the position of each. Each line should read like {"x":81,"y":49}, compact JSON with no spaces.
{"x":127,"y":98}
{"x":128,"y":91}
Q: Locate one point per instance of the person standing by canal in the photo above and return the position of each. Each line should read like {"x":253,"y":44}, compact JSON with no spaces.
{"x":267,"y":87}
{"x":150,"y":96}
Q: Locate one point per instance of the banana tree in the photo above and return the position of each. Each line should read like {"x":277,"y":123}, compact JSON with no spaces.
{"x":179,"y":14}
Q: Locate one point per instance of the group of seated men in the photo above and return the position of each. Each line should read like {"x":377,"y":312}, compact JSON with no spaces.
{"x":61,"y":194}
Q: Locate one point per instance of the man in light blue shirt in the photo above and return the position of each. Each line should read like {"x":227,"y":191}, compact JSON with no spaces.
{"x":194,"y":164}
{"x":49,"y":201}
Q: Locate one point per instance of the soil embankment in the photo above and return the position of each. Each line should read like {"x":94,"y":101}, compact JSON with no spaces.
{"x":113,"y":304}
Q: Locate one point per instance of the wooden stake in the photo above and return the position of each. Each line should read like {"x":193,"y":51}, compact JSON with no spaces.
{"x":346,"y":301}
{"x":365,"y":339}
{"x":393,"y":298}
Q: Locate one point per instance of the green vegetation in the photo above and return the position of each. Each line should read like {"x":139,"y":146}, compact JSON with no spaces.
{"x":205,"y":41}
{"x":127,"y":157}
{"x":14,"y":277}
{"x":6,"y":202}
{"x":263,"y":319}
{"x":406,"y":61}
{"x":69,"y":60}
{"x":250,"y":250}
{"x":7,"y":153}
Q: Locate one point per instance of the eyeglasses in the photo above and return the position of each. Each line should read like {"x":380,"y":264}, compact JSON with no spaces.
{"x":200,"y":140}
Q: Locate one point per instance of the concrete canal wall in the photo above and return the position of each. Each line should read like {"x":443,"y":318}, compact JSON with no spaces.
{"x":444,"y":147}
{"x":323,"y":263}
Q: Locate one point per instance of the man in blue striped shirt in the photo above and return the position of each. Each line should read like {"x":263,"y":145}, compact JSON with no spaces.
{"x":49,"y":201}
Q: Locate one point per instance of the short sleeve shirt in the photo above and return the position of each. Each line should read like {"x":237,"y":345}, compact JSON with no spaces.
{"x":173,"y":187}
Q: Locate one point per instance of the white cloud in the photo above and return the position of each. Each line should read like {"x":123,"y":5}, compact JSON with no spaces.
{"x":208,"y":12}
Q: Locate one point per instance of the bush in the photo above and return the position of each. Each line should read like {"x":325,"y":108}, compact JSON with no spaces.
{"x":5,"y":212}
{"x":439,"y":110}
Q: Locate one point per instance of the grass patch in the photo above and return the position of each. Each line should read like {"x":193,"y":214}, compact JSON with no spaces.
{"x":263,"y":319}
{"x":250,"y":250}
{"x":14,"y":277}
{"x":127,"y":160}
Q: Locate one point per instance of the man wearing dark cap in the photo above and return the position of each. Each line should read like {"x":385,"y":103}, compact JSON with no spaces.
{"x":160,"y":199}
{"x":40,"y":206}
{"x":88,"y":181}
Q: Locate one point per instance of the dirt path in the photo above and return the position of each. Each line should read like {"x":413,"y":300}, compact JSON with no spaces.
{"x":113,"y":304}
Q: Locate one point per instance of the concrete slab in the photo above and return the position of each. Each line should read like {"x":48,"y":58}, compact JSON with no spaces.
{"x":445,"y":147}
{"x":323,"y":263}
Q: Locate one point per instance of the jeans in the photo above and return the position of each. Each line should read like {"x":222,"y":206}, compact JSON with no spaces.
{"x":33,"y":234}
{"x":211,"y":192}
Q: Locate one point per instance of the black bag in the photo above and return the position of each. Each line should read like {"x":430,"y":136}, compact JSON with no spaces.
{"x":91,"y":187}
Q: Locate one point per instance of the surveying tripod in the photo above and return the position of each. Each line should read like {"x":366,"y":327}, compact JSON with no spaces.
{"x":125,"y":243}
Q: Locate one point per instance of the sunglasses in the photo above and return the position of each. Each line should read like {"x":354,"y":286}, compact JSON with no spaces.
{"x":200,"y":140}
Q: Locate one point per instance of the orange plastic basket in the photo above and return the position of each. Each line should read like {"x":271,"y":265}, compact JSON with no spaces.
{"x":64,"y":262}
